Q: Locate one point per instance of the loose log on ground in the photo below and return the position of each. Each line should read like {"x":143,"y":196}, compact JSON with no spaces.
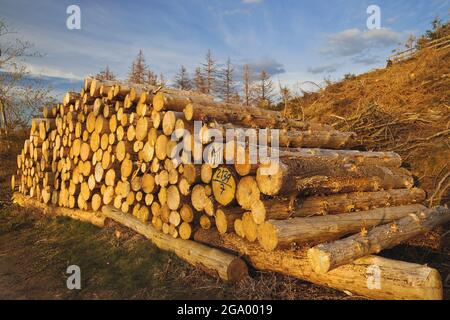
{"x":228,"y":267}
{"x":398,"y":280}
{"x":326,"y":257}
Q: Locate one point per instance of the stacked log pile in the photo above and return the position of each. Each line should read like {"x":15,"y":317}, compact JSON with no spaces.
{"x":136,"y":150}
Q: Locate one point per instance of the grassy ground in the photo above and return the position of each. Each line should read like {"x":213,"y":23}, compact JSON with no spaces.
{"x":115,"y":263}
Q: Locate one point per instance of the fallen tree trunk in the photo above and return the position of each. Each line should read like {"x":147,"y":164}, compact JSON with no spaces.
{"x":282,"y":233}
{"x":228,"y":267}
{"x":373,"y":277}
{"x":325,"y":257}
{"x":289,"y":176}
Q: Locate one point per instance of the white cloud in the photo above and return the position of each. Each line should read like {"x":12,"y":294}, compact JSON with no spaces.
{"x":51,"y":72}
{"x":354,"y":41}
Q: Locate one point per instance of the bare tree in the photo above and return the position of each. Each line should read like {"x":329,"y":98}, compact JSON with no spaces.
{"x":21,"y":95}
{"x":247,"y":84}
{"x":286,"y":96}
{"x":228,"y":86}
{"x":210,"y":72}
{"x":138,"y":71}
{"x":182,"y":80}
{"x":199,"y":81}
{"x":162,"y":80}
{"x":265,"y":89}
{"x":151,"y":78}
{"x":106,"y":74}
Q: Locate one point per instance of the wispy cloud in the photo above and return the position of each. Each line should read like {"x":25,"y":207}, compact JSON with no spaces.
{"x":366,"y":60}
{"x":354,"y":41}
{"x":270,"y":65}
{"x":329,"y":68}
{"x":41,"y":70}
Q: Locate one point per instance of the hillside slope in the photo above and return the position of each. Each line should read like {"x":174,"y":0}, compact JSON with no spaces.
{"x":403,"y":108}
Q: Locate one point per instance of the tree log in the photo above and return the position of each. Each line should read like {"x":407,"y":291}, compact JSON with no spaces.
{"x":86,"y":216}
{"x":325,"y":257}
{"x":247,"y":116}
{"x":356,"y":201}
{"x":373,"y":277}
{"x":282,"y":233}
{"x":228,"y":267}
{"x":310,"y":176}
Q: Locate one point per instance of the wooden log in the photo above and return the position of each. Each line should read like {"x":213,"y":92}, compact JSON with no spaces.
{"x":198,"y":197}
{"x":244,"y":116}
{"x":174,"y":102}
{"x":224,"y":186}
{"x":296,"y":175}
{"x":86,"y":216}
{"x":225,"y":218}
{"x":328,"y":256}
{"x":356,"y":201}
{"x":213,"y":261}
{"x":185,"y":231}
{"x":241,"y":154}
{"x":373,"y":277}
{"x":283,"y":233}
{"x":272,"y":209}
{"x":247,"y":192}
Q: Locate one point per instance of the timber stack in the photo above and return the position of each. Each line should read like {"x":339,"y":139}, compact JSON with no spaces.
{"x":157,"y":158}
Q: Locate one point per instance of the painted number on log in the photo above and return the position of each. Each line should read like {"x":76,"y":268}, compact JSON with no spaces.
{"x":224,"y":186}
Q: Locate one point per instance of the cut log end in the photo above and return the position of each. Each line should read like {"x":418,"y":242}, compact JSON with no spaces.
{"x":267,"y":236}
{"x":223,"y":186}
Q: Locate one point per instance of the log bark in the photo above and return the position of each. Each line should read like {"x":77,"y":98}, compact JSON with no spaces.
{"x":397,"y":280}
{"x":308,"y":176}
{"x":326,"y":257}
{"x":246,"y":116}
{"x":356,"y":201}
{"x":283,"y":233}
{"x":228,"y":267}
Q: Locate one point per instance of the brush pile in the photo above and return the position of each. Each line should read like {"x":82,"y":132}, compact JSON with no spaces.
{"x":159,"y":156}
{"x":403,"y":108}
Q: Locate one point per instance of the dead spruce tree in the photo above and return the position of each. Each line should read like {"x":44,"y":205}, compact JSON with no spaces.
{"x":264,"y":88}
{"x":182,"y":80}
{"x":209,"y":70}
{"x":106,"y":74}
{"x":228,"y":86}
{"x":247,"y":85}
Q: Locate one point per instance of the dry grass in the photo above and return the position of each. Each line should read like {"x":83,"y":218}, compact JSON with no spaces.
{"x":404,"y":108}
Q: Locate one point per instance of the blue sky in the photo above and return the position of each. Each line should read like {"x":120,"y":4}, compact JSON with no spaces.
{"x":296,"y":41}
